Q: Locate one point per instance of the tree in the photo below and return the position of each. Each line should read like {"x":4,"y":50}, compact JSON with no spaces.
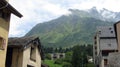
{"x":76,"y":57}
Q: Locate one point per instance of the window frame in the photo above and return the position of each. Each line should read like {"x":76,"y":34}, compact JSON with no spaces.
{"x":33,"y":53}
{"x":2,"y":43}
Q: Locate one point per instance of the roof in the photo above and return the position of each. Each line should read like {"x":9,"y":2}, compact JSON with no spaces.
{"x":5,"y":5}
{"x":19,"y":41}
{"x":106,"y":31}
{"x":25,"y":42}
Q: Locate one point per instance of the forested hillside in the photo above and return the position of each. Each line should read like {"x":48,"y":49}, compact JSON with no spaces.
{"x":77,"y":28}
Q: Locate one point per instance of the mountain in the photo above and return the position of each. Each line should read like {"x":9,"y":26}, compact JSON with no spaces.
{"x":76,"y":28}
{"x":103,"y":14}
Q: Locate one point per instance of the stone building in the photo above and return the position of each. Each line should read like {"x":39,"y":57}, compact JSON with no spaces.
{"x":5,"y":12}
{"x":57,"y":56}
{"x":104,"y":43}
{"x":24,"y":52}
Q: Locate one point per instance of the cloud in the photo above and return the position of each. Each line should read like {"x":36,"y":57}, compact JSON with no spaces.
{"x":38,"y":11}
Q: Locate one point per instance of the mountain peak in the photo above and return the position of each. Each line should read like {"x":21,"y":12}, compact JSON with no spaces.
{"x":94,"y":8}
{"x":102,"y":14}
{"x":67,"y":31}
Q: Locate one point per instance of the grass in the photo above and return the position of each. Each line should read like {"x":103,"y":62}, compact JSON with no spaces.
{"x":51,"y":63}
{"x":90,"y":65}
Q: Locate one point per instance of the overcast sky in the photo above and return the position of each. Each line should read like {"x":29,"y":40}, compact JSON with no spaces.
{"x":38,"y":11}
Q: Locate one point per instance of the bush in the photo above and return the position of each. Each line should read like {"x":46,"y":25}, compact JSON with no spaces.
{"x":48,"y":56}
{"x":58,"y":61}
{"x":66,"y":64}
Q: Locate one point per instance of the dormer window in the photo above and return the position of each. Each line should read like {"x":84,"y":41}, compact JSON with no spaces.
{"x":111,"y":31}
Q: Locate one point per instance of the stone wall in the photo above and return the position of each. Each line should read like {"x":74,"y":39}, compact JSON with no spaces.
{"x":114,"y":59}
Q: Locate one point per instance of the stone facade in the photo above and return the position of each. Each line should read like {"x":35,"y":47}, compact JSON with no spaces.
{"x":104,"y":43}
{"x":114,"y":59}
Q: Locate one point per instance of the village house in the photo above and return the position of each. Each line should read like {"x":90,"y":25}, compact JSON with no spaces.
{"x":24,"y":52}
{"x":57,"y":56}
{"x":5,"y":12}
{"x":104,"y":43}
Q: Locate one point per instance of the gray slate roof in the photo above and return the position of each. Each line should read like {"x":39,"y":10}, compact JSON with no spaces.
{"x":106,"y":31}
{"x":25,"y":42}
{"x":20,"y":41}
{"x":5,"y":5}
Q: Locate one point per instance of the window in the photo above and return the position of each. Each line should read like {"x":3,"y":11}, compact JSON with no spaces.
{"x":1,"y":13}
{"x":95,"y":52}
{"x":95,"y":37}
{"x":109,"y":45}
{"x":61,"y":55}
{"x":29,"y":66}
{"x":111,"y":31}
{"x":2,"y":43}
{"x":105,"y":61}
{"x":4,"y":15}
{"x":110,"y":28}
{"x":95,"y":42}
{"x":33,"y":53}
{"x":99,"y":32}
{"x":95,"y":47}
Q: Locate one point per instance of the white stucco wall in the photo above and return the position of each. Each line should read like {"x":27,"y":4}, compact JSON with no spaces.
{"x":27,"y":61}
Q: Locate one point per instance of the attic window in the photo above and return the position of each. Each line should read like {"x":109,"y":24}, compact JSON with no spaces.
{"x":35,"y":42}
{"x":2,"y":43}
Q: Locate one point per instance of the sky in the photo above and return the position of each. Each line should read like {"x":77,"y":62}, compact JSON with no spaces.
{"x":39,"y":11}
